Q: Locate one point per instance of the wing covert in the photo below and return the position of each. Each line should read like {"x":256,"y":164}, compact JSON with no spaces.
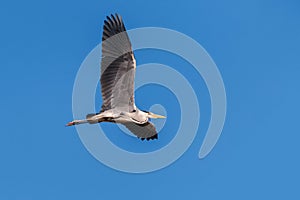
{"x":117,"y":66}
{"x":143,"y":131}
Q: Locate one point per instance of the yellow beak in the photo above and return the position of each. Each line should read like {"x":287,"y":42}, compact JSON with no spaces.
{"x":155,"y":116}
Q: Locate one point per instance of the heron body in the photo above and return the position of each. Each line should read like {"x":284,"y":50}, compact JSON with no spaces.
{"x":118,"y":67}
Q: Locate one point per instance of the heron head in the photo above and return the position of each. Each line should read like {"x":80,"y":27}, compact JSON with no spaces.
{"x":155,"y":116}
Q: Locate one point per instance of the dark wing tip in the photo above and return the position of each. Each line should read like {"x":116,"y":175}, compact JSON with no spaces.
{"x":113,"y":24}
{"x":154,"y":137}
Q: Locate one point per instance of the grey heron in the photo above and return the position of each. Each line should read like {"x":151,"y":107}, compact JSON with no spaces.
{"x":117,"y":84}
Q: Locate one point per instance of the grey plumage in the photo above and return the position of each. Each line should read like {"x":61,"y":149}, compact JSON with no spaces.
{"x":117,"y":66}
{"x":117,"y":84}
{"x":146,"y":130}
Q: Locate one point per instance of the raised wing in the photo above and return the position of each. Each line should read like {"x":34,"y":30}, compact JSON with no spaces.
{"x":117,"y":66}
{"x":143,"y":131}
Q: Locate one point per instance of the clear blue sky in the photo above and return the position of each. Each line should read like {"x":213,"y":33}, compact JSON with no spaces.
{"x":256,"y":46}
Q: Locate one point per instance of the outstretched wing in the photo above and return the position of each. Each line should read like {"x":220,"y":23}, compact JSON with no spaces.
{"x":143,"y":131}
{"x":117,"y":66}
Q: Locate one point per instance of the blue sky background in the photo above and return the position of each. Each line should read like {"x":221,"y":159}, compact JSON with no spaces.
{"x":256,"y":46}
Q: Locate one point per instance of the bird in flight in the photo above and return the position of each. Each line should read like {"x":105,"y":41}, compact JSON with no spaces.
{"x":117,"y":84}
